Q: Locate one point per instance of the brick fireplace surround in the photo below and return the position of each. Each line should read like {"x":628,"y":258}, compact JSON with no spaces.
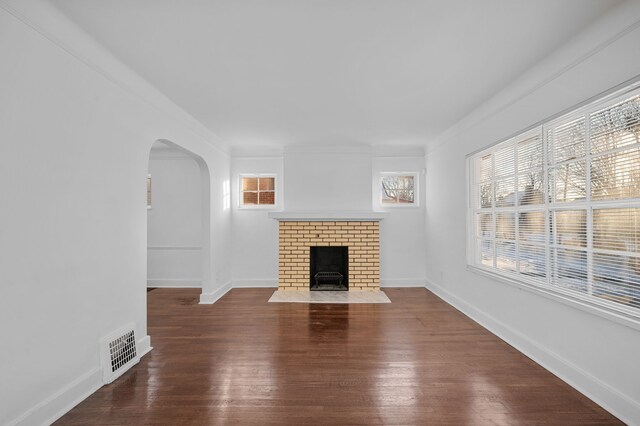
{"x":361,"y":237}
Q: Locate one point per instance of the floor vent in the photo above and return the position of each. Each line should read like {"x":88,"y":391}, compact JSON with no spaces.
{"x":118,"y":352}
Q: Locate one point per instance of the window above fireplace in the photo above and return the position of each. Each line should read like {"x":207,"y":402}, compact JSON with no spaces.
{"x":399,"y":189}
{"x":257,"y":190}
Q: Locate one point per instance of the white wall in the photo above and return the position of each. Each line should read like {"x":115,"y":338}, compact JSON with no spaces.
{"x":402,"y":232}
{"x":342,"y":179}
{"x":76,"y":128}
{"x":255,"y":236}
{"x":347,"y":179}
{"x":174,"y":227}
{"x":595,"y":354}
{"x":324,"y":179}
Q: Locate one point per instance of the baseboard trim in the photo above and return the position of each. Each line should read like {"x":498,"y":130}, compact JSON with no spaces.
{"x":210,"y":298}
{"x":273,"y":283}
{"x":61,"y":402}
{"x":256,"y":283}
{"x":403,"y":282}
{"x":174,"y":283}
{"x":58,"y":404}
{"x":618,"y":404}
{"x":144,"y":345}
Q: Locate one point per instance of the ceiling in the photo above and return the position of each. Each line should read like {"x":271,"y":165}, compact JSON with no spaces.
{"x":290,"y":72}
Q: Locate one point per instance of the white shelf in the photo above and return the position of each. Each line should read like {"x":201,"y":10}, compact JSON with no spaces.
{"x":328,"y":216}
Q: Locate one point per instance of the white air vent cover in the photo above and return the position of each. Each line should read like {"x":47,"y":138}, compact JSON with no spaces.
{"x":118,"y":352}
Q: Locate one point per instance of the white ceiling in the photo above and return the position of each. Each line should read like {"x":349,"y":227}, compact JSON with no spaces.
{"x":284,"y":72}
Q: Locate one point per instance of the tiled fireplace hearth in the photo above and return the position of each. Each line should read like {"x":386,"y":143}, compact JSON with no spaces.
{"x":361,"y":237}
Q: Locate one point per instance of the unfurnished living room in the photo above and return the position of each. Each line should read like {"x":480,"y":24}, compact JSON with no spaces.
{"x":315,"y":212}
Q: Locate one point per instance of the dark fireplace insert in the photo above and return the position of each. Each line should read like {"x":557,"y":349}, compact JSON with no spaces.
{"x":329,"y":268}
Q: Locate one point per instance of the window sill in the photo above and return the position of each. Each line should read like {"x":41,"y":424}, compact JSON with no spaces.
{"x":399,"y":206}
{"x":263,"y":207}
{"x":574,"y":302}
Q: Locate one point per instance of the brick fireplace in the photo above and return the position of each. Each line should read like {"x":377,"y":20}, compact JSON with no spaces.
{"x":361,"y":237}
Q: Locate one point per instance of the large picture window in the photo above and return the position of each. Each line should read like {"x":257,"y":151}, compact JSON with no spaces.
{"x":558,"y":207}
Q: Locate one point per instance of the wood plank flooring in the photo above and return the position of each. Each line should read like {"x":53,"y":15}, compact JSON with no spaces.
{"x":416,"y":361}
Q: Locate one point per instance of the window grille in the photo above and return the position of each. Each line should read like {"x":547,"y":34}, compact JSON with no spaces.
{"x":257,"y":190}
{"x":399,"y":189}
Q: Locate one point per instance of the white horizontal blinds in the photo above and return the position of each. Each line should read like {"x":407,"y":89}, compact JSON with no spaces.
{"x":509,"y":205}
{"x":615,"y":168}
{"x":505,"y":240}
{"x":484,"y":239}
{"x":615,"y":126}
{"x":615,"y":191}
{"x":570,"y":228}
{"x":530,"y":171}
{"x":595,"y":165}
{"x":568,"y":249}
{"x":486,"y":181}
{"x":532,"y":258}
{"x":567,"y":177}
{"x":484,"y":218}
{"x":616,"y":259}
{"x":567,"y":163}
{"x":568,"y":140}
{"x":504,"y":176}
{"x":530,"y":209}
{"x":615,"y":176}
{"x":563,"y":211}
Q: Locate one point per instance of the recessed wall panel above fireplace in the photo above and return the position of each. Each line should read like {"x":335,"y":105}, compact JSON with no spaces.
{"x":328,"y":178}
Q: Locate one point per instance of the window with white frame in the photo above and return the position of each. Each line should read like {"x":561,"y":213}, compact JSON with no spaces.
{"x":149,"y":192}
{"x":558,"y":207}
{"x":257,"y":190}
{"x":399,"y":189}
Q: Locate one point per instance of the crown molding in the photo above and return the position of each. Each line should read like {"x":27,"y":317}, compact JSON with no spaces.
{"x":616,"y":24}
{"x":53,"y":25}
{"x":330,"y":149}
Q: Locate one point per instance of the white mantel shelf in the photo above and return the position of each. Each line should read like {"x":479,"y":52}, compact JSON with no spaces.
{"x":328,"y":216}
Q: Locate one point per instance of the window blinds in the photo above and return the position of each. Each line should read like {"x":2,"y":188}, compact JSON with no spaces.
{"x":558,"y":207}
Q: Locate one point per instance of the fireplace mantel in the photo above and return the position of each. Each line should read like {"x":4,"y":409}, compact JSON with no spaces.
{"x":314,"y":216}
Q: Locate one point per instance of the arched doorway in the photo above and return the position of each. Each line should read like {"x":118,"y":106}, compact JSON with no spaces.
{"x":178,"y":218}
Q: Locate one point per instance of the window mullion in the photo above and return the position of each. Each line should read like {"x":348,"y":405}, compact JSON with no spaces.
{"x":587,"y":153}
{"x":516,"y":203}
{"x":553,"y":272}
{"x":547,"y":215}
{"x":493,"y":210}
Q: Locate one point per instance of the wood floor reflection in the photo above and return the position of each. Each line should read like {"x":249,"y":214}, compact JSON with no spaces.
{"x":244,"y":361}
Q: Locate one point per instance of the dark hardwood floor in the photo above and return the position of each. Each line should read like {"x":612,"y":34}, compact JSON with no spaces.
{"x":416,"y":361}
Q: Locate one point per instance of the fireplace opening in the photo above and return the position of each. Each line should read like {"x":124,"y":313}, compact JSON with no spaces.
{"x":329,"y":268}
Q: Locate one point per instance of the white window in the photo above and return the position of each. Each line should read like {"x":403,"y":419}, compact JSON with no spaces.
{"x":398,"y":189}
{"x":149,"y":192}
{"x":558,"y":207}
{"x":257,"y":191}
